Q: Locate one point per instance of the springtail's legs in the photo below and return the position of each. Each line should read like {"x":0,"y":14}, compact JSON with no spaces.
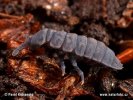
{"x":60,"y":56}
{"x":63,"y":67}
{"x":79,"y":71}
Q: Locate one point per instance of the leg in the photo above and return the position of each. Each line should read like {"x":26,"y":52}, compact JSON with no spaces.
{"x":80,"y":72}
{"x":60,"y":58}
{"x":63,"y":67}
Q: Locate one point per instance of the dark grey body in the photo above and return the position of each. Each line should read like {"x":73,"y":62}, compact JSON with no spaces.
{"x":73,"y":43}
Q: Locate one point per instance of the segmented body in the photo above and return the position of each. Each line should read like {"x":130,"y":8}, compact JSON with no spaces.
{"x":79,"y":45}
